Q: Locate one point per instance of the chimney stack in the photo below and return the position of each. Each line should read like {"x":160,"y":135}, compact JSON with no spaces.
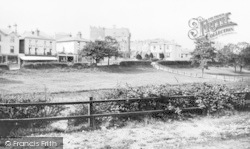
{"x":37,"y":32}
{"x":79,"y":35}
{"x":15,"y":25}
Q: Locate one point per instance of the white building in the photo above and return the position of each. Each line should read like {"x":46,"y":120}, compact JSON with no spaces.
{"x":36,"y":46}
{"x":171,"y":50}
{"x":9,"y":46}
{"x":68,"y":47}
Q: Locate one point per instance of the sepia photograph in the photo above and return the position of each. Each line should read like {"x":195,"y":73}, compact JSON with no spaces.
{"x":124,"y":74}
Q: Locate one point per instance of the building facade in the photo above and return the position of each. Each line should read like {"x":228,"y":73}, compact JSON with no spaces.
{"x":68,"y":48}
{"x":9,"y":46}
{"x":169,"y":49}
{"x":122,"y":35}
{"x":36,"y":46}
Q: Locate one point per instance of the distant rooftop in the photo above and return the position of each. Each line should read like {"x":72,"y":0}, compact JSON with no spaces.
{"x":6,"y":31}
{"x":72,"y":39}
{"x":36,"y":35}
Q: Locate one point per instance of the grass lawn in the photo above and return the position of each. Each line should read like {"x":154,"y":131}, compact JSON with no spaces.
{"x":197,"y":133}
{"x":72,"y":80}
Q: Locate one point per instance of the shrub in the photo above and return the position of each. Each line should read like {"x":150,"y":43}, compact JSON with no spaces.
{"x":80,"y":65}
{"x":162,"y":56}
{"x":44,"y":65}
{"x":4,"y":67}
{"x":26,"y":112}
{"x":213,"y":98}
{"x":135,"y":63}
{"x":138,"y":56}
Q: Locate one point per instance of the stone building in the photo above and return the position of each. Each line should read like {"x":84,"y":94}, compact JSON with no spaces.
{"x":122,"y":35}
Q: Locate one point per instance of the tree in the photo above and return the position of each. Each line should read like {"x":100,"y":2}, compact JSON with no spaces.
{"x":203,"y":53}
{"x":146,"y":56}
{"x":151,"y":55}
{"x":98,"y":49}
{"x":162,"y":56}
{"x":111,"y":48}
{"x":138,"y":56}
{"x":94,"y":50}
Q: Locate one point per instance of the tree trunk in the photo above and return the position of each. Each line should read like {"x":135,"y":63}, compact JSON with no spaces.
{"x":234,"y":68}
{"x":108,"y":61}
{"x":241,"y":68}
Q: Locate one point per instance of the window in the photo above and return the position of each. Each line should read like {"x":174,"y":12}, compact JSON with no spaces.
{"x":44,"y":52}
{"x":29,"y":50}
{"x":35,"y":51}
{"x":11,"y":49}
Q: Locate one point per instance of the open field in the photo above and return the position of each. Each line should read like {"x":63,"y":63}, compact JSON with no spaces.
{"x":197,"y":133}
{"x":72,"y":80}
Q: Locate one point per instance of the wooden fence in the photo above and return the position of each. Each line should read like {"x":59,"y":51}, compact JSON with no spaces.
{"x":199,"y":75}
{"x":91,"y":115}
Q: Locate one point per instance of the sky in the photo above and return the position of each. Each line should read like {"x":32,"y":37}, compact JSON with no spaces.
{"x":146,"y":19}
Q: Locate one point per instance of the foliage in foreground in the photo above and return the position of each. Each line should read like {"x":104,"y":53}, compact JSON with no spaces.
{"x":213,"y":98}
{"x":26,"y":112}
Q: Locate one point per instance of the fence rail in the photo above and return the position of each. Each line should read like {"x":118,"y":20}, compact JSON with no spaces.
{"x":198,"y":75}
{"x":91,"y":115}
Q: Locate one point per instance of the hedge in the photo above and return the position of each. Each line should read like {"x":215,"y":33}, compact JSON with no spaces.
{"x":4,"y":66}
{"x":135,"y":63}
{"x":46,"y":65}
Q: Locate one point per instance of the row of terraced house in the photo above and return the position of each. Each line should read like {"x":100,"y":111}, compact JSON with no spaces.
{"x":36,"y":46}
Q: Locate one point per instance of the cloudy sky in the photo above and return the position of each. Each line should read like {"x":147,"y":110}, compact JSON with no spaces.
{"x":146,"y":19}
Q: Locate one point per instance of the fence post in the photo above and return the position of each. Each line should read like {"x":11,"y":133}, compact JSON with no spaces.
{"x":90,"y":112}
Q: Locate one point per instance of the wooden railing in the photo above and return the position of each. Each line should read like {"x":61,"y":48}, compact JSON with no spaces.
{"x":91,"y":115}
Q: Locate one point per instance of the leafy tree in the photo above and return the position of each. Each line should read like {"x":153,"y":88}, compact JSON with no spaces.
{"x":98,"y":49}
{"x":111,"y":48}
{"x":203,"y":53}
{"x":138,"y":56}
{"x":151,"y":55}
{"x":146,"y":56}
{"x":162,"y":56}
{"x":94,"y":50}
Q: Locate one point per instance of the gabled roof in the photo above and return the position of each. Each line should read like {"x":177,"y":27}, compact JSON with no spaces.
{"x":66,"y":39}
{"x":34,"y":35}
{"x":7,"y":31}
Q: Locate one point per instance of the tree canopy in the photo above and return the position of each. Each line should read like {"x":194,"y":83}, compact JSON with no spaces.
{"x":203,"y":53}
{"x":100,"y":49}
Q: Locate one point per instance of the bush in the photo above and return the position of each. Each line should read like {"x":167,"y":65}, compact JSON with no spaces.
{"x":138,"y":56}
{"x":80,"y":65}
{"x":135,"y":63}
{"x":166,"y":63}
{"x":44,"y":65}
{"x":26,"y":112}
{"x":4,"y":67}
{"x":213,"y":98}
